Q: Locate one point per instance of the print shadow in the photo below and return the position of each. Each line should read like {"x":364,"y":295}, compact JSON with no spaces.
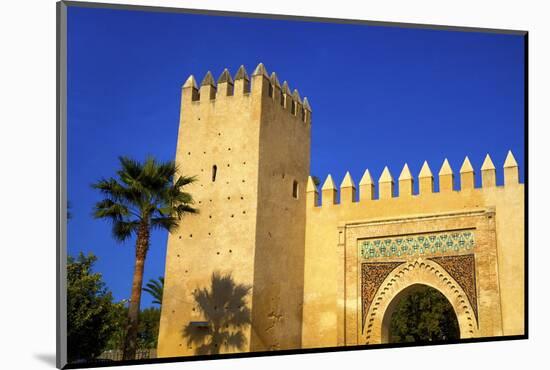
{"x":223,"y":307}
{"x":46,"y":358}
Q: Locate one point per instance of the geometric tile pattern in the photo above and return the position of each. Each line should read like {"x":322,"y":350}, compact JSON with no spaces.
{"x":433,"y":243}
{"x":372,"y":276}
{"x":463,"y":270}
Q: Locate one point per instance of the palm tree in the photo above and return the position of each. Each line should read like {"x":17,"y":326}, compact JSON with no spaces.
{"x":145,"y":196}
{"x":155,"y":288}
{"x":224,"y":308}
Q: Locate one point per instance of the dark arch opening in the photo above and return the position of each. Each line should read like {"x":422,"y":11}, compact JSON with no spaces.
{"x":422,"y":314}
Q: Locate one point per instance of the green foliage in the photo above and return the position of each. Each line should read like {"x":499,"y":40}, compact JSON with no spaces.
{"x":143,"y":192}
{"x":91,"y":313}
{"x":425,"y":315}
{"x":223,"y":306}
{"x":155,"y":289}
{"x":149,"y":320}
{"x":116,"y":340}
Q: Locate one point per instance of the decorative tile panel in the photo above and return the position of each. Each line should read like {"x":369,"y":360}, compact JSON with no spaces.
{"x":372,"y":276}
{"x":423,"y":244}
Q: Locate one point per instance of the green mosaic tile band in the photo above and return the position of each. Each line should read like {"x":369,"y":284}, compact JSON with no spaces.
{"x":434,"y":243}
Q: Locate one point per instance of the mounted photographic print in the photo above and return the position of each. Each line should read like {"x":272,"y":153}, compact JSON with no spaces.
{"x":240,"y":184}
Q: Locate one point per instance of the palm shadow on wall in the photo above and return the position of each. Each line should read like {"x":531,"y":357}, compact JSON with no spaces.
{"x":223,"y":306}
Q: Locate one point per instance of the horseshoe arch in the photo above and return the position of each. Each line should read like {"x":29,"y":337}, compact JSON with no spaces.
{"x":401,"y":279}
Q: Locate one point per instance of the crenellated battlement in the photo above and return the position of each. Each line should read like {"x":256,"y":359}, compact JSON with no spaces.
{"x":405,"y":182}
{"x":260,"y":84}
{"x":247,"y":139}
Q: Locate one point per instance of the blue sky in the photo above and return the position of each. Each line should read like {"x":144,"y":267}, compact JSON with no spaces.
{"x":380,"y":96}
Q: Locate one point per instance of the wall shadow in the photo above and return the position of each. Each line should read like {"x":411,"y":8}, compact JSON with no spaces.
{"x":224,"y":309}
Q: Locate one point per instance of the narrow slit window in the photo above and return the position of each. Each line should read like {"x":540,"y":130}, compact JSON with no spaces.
{"x":293,"y":108}
{"x":214,"y":171}
{"x":295,"y":189}
{"x":270,"y":90}
{"x":282,"y":99}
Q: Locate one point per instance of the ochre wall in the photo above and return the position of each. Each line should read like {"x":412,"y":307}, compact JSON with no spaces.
{"x":301,"y":257}
{"x":280,"y":232}
{"x":222,"y":236}
{"x":326,"y":274}
{"x":249,"y":224}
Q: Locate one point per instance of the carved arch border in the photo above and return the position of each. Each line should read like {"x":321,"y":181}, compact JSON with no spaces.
{"x":419,"y":271}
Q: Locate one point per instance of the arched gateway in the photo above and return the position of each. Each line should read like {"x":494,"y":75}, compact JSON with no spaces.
{"x":454,"y":253}
{"x":399,"y":281}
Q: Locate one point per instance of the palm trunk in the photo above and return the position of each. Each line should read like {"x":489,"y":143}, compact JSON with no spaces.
{"x":142,"y":244}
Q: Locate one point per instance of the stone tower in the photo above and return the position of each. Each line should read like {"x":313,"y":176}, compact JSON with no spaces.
{"x":247,"y":141}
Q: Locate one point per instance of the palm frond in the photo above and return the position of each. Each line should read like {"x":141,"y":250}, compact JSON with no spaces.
{"x":122,"y":230}
{"x":167,"y":169}
{"x":164,"y":223}
{"x":143,"y":191}
{"x":107,"y":208}
{"x":157,"y":176}
{"x":130,"y":168}
{"x":184,"y":180}
{"x":183,"y":209}
{"x":175,"y":196}
{"x":114,"y":190}
{"x":109,"y":187}
{"x":155,"y":288}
